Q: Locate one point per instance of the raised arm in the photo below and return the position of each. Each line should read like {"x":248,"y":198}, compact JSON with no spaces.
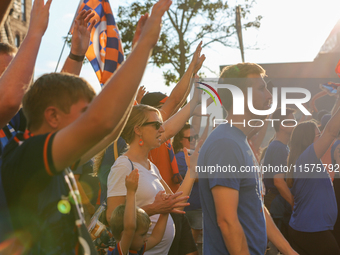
{"x":337,"y":102}
{"x":108,"y":108}
{"x":18,"y":75}
{"x":328,"y":135}
{"x":206,"y":130}
{"x":131,"y":183}
{"x":197,"y":115}
{"x":80,"y":42}
{"x":182,"y":89}
{"x":173,"y":125}
{"x":157,"y":232}
{"x":191,"y":175}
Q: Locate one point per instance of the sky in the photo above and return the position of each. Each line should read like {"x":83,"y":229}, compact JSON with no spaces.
{"x":291,"y":31}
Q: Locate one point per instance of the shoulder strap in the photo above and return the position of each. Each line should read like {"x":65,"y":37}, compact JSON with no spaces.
{"x":131,"y":164}
{"x":115,"y":149}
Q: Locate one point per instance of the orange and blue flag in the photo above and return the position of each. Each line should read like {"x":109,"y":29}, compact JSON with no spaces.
{"x":337,"y":69}
{"x":105,"y":51}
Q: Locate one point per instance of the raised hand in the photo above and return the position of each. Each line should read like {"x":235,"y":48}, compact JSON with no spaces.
{"x":167,"y":203}
{"x":197,"y":59}
{"x":140,"y":93}
{"x":139,"y":28}
{"x":82,"y":32}
{"x":39,"y":17}
{"x":152,"y":27}
{"x":197,"y":97}
{"x":191,"y":161}
{"x":131,"y":181}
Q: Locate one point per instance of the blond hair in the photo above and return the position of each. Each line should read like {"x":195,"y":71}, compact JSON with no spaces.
{"x":117,"y":220}
{"x":137,"y":117}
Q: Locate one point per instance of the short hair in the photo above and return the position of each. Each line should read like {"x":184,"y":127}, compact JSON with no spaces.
{"x":6,"y":48}
{"x":54,"y":89}
{"x":277,"y":115}
{"x":236,"y":75}
{"x":137,"y":117}
{"x":117,"y":220}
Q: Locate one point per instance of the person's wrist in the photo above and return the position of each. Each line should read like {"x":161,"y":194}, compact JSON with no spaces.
{"x":152,"y":209}
{"x":130,"y":192}
{"x":75,"y":57}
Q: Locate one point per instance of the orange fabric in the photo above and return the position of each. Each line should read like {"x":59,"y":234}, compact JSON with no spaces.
{"x":47,"y":167}
{"x":327,"y":159}
{"x":160,"y":157}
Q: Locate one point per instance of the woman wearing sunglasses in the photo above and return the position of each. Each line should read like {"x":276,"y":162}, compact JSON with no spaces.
{"x":143,"y":132}
{"x":315,"y":209}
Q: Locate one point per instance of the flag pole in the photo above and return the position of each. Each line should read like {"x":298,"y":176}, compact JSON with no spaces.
{"x":68,"y":34}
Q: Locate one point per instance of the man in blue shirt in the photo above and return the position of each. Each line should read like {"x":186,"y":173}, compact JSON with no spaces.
{"x":278,"y":199}
{"x":235,"y":220}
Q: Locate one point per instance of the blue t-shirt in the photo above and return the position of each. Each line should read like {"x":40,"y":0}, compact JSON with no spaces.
{"x":117,"y":251}
{"x":315,"y":207}
{"x":276,"y":156}
{"x":227,"y":148}
{"x":194,"y":198}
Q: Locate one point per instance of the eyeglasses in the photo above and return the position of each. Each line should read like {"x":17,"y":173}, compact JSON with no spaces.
{"x":156,"y":124}
{"x":191,"y":138}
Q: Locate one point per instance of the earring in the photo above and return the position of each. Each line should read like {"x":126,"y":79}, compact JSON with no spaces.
{"x":141,"y":142}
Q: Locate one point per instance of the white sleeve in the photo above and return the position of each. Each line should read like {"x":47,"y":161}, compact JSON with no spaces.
{"x":116,"y":179}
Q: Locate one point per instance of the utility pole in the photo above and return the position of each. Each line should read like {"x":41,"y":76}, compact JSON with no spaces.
{"x":239,"y":30}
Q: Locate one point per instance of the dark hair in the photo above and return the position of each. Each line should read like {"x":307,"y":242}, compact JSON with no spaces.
{"x":54,"y":89}
{"x":236,"y":75}
{"x":277,"y":115}
{"x":176,"y":144}
{"x":302,"y":136}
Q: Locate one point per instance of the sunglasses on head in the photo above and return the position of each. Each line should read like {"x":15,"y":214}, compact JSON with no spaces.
{"x":191,"y":138}
{"x":156,"y":124}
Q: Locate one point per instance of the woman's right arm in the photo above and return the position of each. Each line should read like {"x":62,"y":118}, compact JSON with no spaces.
{"x":112,"y":203}
{"x":328,"y":135}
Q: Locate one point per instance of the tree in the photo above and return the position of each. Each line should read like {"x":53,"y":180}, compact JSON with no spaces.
{"x":185,"y":24}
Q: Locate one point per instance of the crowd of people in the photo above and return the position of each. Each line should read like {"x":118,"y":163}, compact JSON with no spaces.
{"x":126,"y":160}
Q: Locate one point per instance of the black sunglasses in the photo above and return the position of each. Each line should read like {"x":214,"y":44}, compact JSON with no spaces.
{"x":156,"y":124}
{"x":191,"y":138}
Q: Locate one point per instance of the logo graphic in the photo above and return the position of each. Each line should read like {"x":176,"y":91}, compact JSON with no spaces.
{"x":213,"y":90}
{"x":239,"y":99}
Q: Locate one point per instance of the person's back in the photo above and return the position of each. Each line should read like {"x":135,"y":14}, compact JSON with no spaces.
{"x":227,"y":148}
{"x":276,"y":156}
{"x":33,"y":196}
{"x":314,"y":197}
